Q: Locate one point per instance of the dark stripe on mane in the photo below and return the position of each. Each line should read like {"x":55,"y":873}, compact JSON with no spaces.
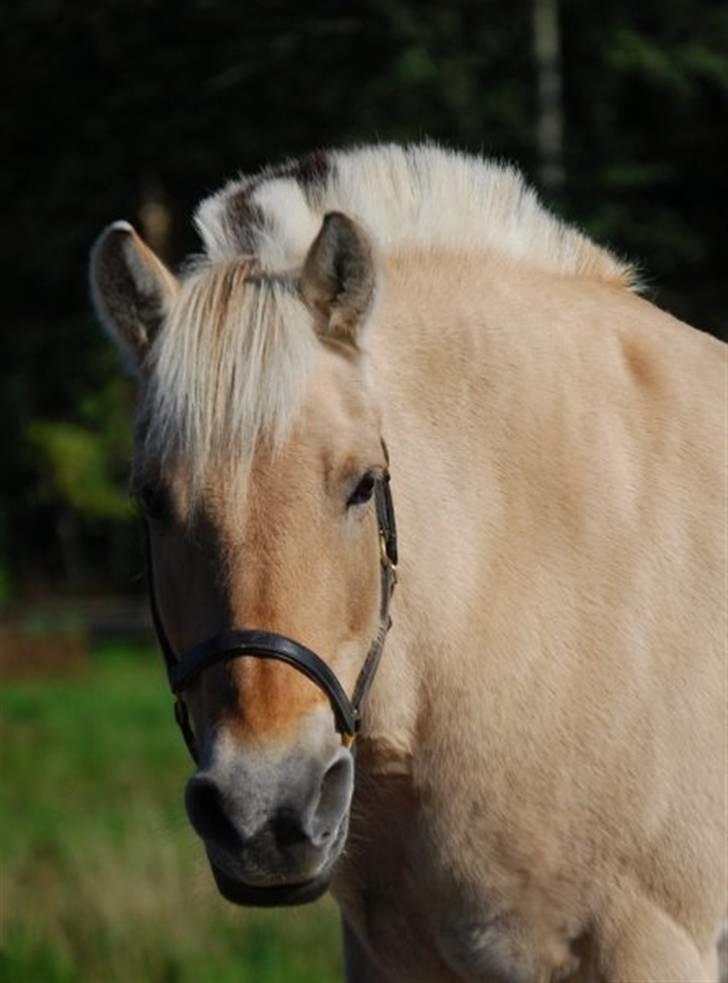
{"x":245,"y":219}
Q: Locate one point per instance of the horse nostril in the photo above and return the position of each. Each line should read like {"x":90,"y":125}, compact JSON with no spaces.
{"x":206,"y":809}
{"x":334,"y":796}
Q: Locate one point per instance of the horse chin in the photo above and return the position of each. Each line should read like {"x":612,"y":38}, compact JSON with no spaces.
{"x":274,"y":896}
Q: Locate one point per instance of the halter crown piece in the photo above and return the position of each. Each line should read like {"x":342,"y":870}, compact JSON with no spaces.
{"x":257,"y":644}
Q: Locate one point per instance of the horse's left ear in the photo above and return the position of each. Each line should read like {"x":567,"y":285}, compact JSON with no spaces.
{"x":338,"y":279}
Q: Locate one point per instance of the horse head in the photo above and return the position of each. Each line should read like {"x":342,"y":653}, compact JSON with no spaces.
{"x":258,"y":462}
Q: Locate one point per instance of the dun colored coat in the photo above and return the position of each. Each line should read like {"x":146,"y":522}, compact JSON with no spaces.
{"x":539,"y":789}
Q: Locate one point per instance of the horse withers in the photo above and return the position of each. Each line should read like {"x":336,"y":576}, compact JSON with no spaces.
{"x":525,"y":779}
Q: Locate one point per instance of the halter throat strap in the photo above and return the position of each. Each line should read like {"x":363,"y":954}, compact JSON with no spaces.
{"x":255,"y":643}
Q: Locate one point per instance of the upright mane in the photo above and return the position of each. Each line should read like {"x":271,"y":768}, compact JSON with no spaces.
{"x":233,"y":361}
{"x":419,"y":197}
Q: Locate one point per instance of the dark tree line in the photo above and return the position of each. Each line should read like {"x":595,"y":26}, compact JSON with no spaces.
{"x":137,"y":108}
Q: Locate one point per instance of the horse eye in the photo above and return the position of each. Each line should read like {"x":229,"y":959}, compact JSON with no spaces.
{"x":154,"y":502}
{"x":363,"y":491}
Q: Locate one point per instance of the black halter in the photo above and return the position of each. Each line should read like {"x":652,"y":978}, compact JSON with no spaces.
{"x":270,"y":645}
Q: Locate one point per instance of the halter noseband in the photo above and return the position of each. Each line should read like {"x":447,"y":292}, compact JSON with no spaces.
{"x":254,"y":643}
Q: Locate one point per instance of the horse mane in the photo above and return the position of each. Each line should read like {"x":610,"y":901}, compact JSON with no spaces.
{"x":232,"y":363}
{"x":418,"y":197}
{"x":230,"y":366}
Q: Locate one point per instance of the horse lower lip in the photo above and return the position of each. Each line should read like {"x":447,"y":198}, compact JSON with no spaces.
{"x":238,"y":892}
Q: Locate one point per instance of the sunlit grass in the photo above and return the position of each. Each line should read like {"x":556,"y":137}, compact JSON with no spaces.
{"x":102,"y":878}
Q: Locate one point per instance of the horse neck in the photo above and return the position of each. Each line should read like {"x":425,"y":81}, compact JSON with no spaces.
{"x":469,"y":353}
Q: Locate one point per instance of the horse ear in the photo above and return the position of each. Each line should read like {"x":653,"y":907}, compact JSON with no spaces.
{"x":338,"y":279}
{"x":131,"y":290}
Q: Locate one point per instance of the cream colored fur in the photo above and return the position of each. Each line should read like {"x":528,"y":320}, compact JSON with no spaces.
{"x":558,"y":738}
{"x":541,"y":786}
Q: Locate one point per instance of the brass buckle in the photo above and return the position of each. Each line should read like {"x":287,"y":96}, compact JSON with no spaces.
{"x":384,"y":556}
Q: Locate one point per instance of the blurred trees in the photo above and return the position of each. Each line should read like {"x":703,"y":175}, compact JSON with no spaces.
{"x":137,"y":108}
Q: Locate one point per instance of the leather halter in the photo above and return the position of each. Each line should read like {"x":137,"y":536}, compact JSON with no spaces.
{"x":254,"y":643}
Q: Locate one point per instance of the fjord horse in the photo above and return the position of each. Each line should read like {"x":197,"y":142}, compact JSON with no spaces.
{"x":533,"y":785}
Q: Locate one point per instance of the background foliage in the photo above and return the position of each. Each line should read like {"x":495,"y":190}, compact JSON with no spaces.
{"x":137,"y":108}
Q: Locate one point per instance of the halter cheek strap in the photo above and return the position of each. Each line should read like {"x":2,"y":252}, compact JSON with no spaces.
{"x":258,"y":644}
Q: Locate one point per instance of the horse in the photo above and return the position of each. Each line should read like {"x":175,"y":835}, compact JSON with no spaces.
{"x":523,"y":780}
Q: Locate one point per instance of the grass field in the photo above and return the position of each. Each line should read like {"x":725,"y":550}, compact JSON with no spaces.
{"x":102,"y":877}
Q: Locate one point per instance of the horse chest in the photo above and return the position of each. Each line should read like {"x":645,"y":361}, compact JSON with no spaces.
{"x":416,"y":932}
{"x":501,"y":950}
{"x":416,"y":919}
{"x":468,"y":948}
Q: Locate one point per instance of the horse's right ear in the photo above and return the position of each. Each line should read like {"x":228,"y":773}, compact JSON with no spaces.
{"x":131,"y":289}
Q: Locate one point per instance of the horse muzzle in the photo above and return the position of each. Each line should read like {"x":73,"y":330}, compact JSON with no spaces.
{"x":272,"y":829}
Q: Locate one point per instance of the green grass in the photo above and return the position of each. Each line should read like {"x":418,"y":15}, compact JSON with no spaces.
{"x":102,"y":877}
